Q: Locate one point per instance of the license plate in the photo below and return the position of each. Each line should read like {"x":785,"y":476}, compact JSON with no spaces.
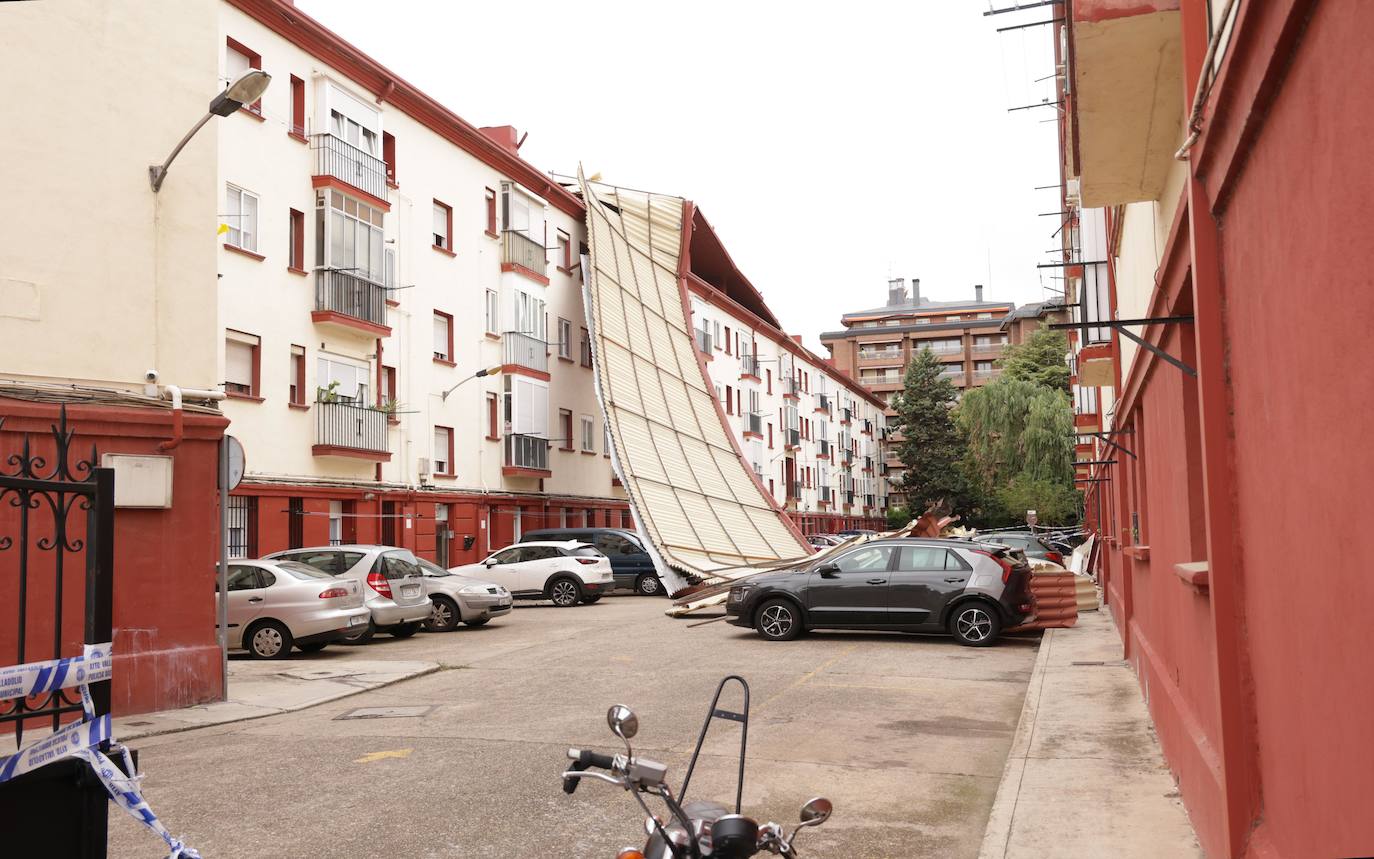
{"x":357,"y":621}
{"x":410,"y":591}
{"x":505,"y":604}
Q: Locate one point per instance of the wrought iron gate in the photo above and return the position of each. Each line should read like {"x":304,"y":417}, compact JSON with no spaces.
{"x":52,"y":559}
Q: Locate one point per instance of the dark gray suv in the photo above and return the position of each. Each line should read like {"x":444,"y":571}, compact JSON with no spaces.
{"x":971,"y":590}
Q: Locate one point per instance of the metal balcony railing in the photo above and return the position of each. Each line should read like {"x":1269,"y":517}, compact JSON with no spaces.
{"x":753,"y":423}
{"x":704,"y":340}
{"x":986,"y":347}
{"x":790,"y":386}
{"x":521,"y":250}
{"x":846,"y":415}
{"x":749,"y":365}
{"x":823,"y":402}
{"x":349,"y":293}
{"x":345,"y":423}
{"x":527,"y":451}
{"x":879,"y":354}
{"x":942,"y":348}
{"x":523,"y":350}
{"x":342,"y":160}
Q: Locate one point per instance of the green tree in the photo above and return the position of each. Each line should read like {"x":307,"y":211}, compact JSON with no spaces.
{"x":931,"y":446}
{"x":1039,"y":360}
{"x":897,"y":516}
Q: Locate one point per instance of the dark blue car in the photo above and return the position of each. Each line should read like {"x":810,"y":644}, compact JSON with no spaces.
{"x":630,"y":564}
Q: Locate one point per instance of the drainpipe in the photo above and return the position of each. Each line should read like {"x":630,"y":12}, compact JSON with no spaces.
{"x":174,"y":393}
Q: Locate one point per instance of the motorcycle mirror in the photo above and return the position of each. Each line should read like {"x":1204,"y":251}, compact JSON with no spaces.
{"x":622,"y":721}
{"x":816,"y":811}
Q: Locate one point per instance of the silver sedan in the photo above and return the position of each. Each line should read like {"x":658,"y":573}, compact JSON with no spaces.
{"x":461,"y":598}
{"x":275,"y":605}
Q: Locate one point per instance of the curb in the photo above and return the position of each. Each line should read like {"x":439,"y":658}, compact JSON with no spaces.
{"x":181,"y":729}
{"x":997,"y":834}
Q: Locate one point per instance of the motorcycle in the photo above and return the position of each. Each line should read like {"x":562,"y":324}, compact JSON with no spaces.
{"x":692,"y":830}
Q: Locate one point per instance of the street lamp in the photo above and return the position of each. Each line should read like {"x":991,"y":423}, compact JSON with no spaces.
{"x":489,"y":371}
{"x":247,"y":89}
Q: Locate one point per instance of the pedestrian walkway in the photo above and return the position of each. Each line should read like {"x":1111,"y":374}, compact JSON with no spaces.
{"x":260,"y":688}
{"x":1085,"y":776}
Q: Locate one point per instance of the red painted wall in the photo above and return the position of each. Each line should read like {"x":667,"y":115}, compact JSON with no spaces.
{"x":166,"y":653}
{"x":1298,"y":253}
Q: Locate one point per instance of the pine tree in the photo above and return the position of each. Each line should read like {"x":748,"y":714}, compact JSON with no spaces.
{"x":1039,"y":360}
{"x":931,"y":446}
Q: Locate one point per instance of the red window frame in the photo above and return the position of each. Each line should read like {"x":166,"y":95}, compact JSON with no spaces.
{"x":729,"y":400}
{"x":389,"y":156}
{"x":255,"y":386}
{"x":448,"y":317}
{"x":565,"y":423}
{"x":254,"y":62}
{"x":770,"y":435}
{"x":296,"y":258}
{"x":449,"y":462}
{"x":389,"y":383}
{"x":727,"y":340}
{"x":491,"y":213}
{"x":448,"y":214}
{"x":564,"y":252}
{"x":296,"y":390}
{"x":493,"y":413}
{"x":769,"y":373}
{"x":297,"y":109}
{"x":586,"y":348}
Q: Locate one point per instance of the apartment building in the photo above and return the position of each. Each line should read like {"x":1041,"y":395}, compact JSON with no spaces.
{"x":1194,"y":395}
{"x":876,"y":344}
{"x":812,"y":434}
{"x":378,"y":254}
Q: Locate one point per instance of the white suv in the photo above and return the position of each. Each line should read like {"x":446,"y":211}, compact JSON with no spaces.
{"x":565,"y":572}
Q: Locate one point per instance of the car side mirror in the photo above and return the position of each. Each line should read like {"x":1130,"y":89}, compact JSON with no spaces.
{"x":828,"y":571}
{"x":489,"y":563}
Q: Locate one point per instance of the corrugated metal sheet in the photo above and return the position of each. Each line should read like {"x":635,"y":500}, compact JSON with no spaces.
{"x":691,"y":494}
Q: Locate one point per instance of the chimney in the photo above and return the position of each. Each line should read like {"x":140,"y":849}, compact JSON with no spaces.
{"x":978,"y":292}
{"x":896,"y":291}
{"x":503,"y":135}
{"x":916,"y":291}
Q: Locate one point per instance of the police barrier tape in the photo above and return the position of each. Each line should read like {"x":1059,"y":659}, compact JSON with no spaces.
{"x":82,"y":739}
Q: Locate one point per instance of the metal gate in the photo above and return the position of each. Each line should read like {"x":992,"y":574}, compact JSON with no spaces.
{"x":56,"y":553}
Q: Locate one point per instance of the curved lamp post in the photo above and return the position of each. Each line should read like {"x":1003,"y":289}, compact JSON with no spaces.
{"x":247,"y":89}
{"x":489,"y":371}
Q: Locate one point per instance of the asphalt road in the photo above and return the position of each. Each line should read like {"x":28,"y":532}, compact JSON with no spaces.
{"x":907,"y":735}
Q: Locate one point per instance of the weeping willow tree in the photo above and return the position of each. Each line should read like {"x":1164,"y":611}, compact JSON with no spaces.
{"x":1019,"y":452}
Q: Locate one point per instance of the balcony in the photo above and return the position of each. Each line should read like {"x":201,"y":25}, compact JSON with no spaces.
{"x":342,"y":160}
{"x":823,"y":403}
{"x":985,"y":375}
{"x":753,"y":425}
{"x":847,"y":458}
{"x":996,"y":346}
{"x":823,"y":449}
{"x":350,"y":429}
{"x":846,"y":415}
{"x":824,"y":495}
{"x":792,"y":438}
{"x":868,"y":463}
{"x":523,"y":351}
{"x":749,"y":366}
{"x":350,"y":302}
{"x":849,"y":499}
{"x":526,"y":456}
{"x":791,"y":388}
{"x":519,"y":251}
{"x":880,"y":354}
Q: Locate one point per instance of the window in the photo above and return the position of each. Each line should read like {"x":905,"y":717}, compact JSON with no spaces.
{"x":297,"y":376}
{"x":729,"y":400}
{"x":352,"y":132}
{"x":492,"y":313}
{"x":443,"y":451}
{"x":296,"y":242}
{"x":769,"y":374}
{"x":491,"y":213}
{"x":389,"y":156}
{"x":564,"y":339}
{"x":341,"y":379}
{"x":928,"y":558}
{"x":565,"y":429}
{"x":529,"y":315}
{"x":443,"y":227}
{"x":606,"y":439}
{"x":297,"y":107}
{"x":564,"y":251}
{"x":355,"y":241}
{"x":727,"y":340}
{"x":241,"y":216}
{"x":389,"y":389}
{"x":295,"y":523}
{"x":241,"y":367}
{"x":770,"y":436}
{"x":588,"y":434}
{"x":443,"y":337}
{"x":493,"y":412}
{"x":243,"y":526}
{"x":586,"y":348}
{"x":237,"y":60}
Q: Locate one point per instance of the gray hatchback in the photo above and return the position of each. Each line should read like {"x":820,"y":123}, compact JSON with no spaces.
{"x":971,"y":590}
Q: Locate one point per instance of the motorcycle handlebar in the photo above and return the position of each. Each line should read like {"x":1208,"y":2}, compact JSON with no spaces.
{"x":583,"y":759}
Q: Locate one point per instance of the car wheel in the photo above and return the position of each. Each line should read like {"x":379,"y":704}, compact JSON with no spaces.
{"x":564,"y":592}
{"x":974,"y":624}
{"x":443,"y":615}
{"x":778,"y":620}
{"x":481,"y":621}
{"x":404,"y":630}
{"x":268,"y":640}
{"x":648,"y":585}
{"x":364,"y":635}
{"x":314,"y":647}
{"x":590,"y":600}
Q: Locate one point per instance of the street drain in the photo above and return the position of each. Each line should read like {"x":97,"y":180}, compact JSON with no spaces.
{"x":385,"y":713}
{"x":1097,"y":664}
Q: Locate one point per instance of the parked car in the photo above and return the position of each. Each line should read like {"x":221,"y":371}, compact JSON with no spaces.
{"x":824,"y":541}
{"x":631,"y":566}
{"x":971,"y":590}
{"x":393,"y":588}
{"x":855,"y":532}
{"x":275,"y":605}
{"x":457,"y":598}
{"x":1027,"y":542}
{"x":565,"y":572}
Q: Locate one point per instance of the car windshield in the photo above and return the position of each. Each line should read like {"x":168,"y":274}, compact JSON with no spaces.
{"x":304,"y":572}
{"x":430,"y":568}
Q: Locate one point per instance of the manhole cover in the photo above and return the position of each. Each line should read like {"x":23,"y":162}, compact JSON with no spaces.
{"x":385,"y":713}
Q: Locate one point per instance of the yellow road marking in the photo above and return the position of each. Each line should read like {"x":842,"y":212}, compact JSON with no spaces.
{"x":808,"y":675}
{"x":383,"y":755}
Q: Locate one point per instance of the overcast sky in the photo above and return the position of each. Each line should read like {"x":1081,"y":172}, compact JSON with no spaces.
{"x":831,"y":145}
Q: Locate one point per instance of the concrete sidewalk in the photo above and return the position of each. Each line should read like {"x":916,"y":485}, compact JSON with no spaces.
{"x":260,"y":688}
{"x":1085,"y":776}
